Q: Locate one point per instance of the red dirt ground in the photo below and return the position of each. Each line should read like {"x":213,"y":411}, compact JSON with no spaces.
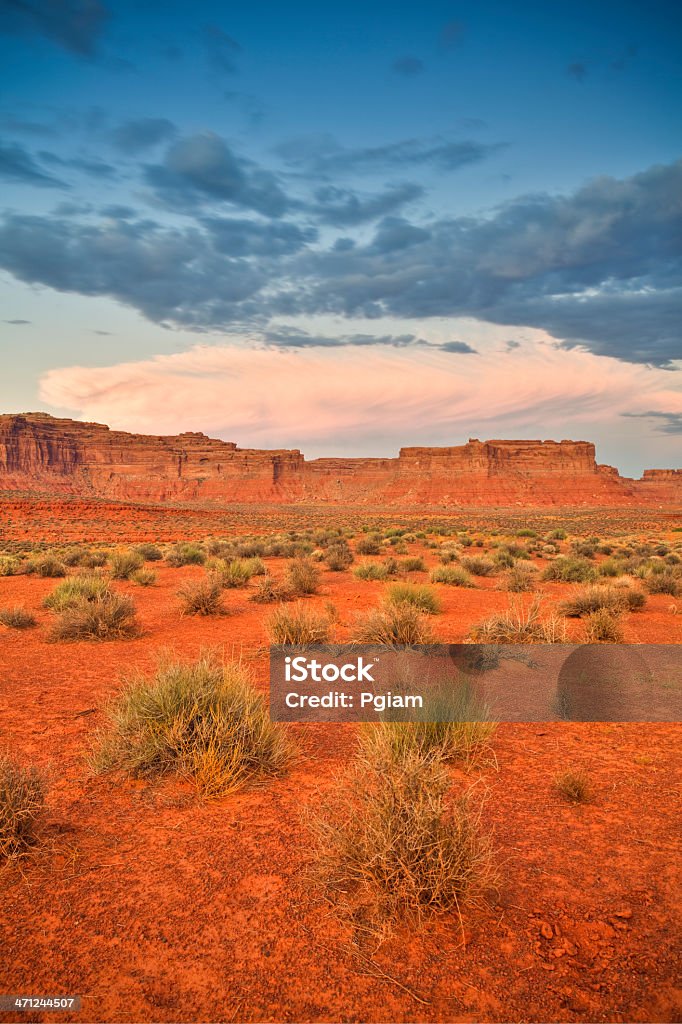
{"x":156,"y":906}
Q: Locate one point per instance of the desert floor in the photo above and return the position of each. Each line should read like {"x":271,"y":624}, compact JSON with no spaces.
{"x":155,"y":905}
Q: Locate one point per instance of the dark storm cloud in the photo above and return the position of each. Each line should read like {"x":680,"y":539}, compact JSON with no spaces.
{"x":203,"y":168}
{"x":16,"y":323}
{"x":221,"y":49}
{"x":407,"y":66}
{"x":397,"y":233}
{"x":75,"y":25}
{"x":345,"y":208}
{"x":17,"y":165}
{"x":250,"y":238}
{"x":166,"y":274}
{"x":322,"y":155}
{"x":458,"y":348}
{"x":143,"y":133}
{"x":601,"y":268}
{"x":293,"y":337}
{"x":668,"y":422}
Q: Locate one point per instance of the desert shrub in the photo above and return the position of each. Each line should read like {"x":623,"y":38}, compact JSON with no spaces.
{"x":201,"y":719}
{"x":371,"y":571}
{"x":392,"y":624}
{"x":412,"y":564}
{"x":339,"y":556}
{"x":233,"y":574}
{"x":591,"y":599}
{"x":519,"y":626}
{"x":584,"y":549}
{"x":392,"y":842}
{"x":256,"y":566}
{"x":447,"y":555}
{"x":602,"y":627}
{"x":202,"y":597}
{"x":268,"y":590}
{"x":574,"y":786}
{"x":479,"y":566}
{"x":526,"y":532}
{"x":519,"y":579}
{"x":421,"y":597}
{"x":22,"y":802}
{"x":73,"y":557}
{"x":76,"y":590}
{"x":453,"y":724}
{"x":663,"y":583}
{"x":453,"y":575}
{"x":569,"y":570}
{"x":504,"y":558}
{"x":251,"y":549}
{"x":150,"y":552}
{"x":17,"y":617}
{"x":9,"y":566}
{"x":94,"y":559}
{"x":297,"y":625}
{"x":558,"y":535}
{"x":369,"y":545}
{"x":47,"y":566}
{"x":610,"y":567}
{"x":110,"y":617}
{"x":145,"y":577}
{"x":302,"y":576}
{"x":123,"y":564}
{"x":185,"y":554}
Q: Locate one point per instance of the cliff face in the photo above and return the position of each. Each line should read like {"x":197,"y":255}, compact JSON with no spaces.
{"x":39,"y":452}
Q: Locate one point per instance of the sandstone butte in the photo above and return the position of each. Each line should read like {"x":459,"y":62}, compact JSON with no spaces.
{"x":40,"y":453}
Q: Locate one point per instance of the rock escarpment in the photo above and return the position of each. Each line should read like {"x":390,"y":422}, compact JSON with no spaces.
{"x":41,"y":453}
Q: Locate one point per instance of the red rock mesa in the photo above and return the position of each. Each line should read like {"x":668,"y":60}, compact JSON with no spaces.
{"x":41,"y":453}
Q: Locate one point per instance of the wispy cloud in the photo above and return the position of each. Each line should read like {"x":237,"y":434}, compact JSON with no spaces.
{"x":316,"y":396}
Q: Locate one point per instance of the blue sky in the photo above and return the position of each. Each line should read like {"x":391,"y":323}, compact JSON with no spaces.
{"x":210,"y":208}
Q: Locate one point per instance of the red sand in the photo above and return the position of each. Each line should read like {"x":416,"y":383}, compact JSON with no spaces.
{"x":155,"y":906}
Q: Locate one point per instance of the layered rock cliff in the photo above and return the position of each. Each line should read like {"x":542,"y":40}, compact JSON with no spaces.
{"x":42,"y":453}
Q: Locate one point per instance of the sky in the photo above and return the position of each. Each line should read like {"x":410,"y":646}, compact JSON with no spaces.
{"x":346,"y":228}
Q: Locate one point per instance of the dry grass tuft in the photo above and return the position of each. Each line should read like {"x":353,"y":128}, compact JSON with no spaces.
{"x":202,"y":719}
{"x":202,"y":597}
{"x":392,"y":624}
{"x":520,"y":626}
{"x":298,"y":625}
{"x":393,"y":842}
{"x":17,"y":617}
{"x":22,"y":801}
{"x":574,"y":786}
{"x":110,"y":617}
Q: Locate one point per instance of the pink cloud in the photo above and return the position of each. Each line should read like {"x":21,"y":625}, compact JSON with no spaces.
{"x":332,"y":399}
